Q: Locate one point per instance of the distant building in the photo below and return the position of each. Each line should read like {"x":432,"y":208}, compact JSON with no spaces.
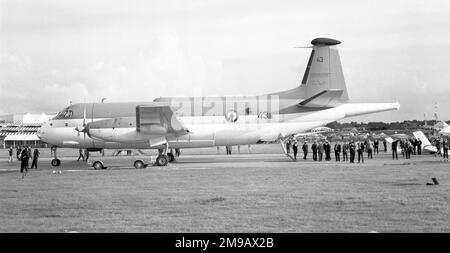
{"x":21,"y":129}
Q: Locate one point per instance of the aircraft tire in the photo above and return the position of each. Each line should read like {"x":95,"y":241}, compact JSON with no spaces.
{"x":162,"y":160}
{"x":139,"y":164}
{"x":56,"y":162}
{"x":98,"y":165}
{"x":171,"y":157}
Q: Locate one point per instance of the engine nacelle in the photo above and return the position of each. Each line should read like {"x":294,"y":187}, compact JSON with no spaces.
{"x":122,"y":130}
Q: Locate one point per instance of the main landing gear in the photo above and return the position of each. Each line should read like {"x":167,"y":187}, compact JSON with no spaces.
{"x":165,"y":157}
{"x":55,"y":162}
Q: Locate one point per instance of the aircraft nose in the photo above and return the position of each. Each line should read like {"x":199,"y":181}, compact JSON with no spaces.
{"x":41,"y":131}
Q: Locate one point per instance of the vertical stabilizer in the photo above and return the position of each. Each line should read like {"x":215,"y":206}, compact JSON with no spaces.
{"x":324,"y":69}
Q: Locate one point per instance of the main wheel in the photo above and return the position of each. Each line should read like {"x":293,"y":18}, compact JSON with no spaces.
{"x":171,"y":157}
{"x":138,"y":164}
{"x":98,"y":165}
{"x":162,"y":160}
{"x":56,"y":162}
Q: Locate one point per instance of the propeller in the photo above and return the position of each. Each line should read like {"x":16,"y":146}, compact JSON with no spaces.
{"x":82,"y":128}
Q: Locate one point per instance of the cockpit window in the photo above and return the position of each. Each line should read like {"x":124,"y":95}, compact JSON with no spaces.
{"x":64,"y":114}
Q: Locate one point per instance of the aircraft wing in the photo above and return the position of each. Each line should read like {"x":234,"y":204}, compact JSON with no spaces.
{"x":425,"y":142}
{"x":153,"y":123}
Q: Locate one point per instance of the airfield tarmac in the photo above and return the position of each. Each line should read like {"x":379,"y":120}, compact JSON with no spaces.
{"x":208,"y":191}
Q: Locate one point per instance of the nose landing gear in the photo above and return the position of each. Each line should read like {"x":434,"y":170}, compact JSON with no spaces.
{"x":55,"y":162}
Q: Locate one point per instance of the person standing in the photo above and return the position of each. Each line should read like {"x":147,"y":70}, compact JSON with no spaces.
{"x":344,"y":152}
{"x":327,"y":149}
{"x":178,"y":152}
{"x":337,"y":151}
{"x":81,"y":155}
{"x":419,"y":147}
{"x":361,"y":152}
{"x":408,"y":149}
{"x":385,"y":145}
{"x":445,"y":146}
{"x":18,"y":151}
{"x":36,"y":154}
{"x":394,"y":150}
{"x":320,"y":151}
{"x":375,"y":146}
{"x":288,"y":146}
{"x":10,"y":152}
{"x":352,"y":148}
{"x":24,"y":157}
{"x":314,"y":150}
{"x":369,"y":149}
{"x":295,"y":148}
{"x":305,"y":150}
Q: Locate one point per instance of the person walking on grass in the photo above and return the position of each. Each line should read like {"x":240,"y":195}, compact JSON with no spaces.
{"x":36,"y":154}
{"x":81,"y":156}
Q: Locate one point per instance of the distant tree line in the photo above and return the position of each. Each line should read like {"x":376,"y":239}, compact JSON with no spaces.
{"x":374,"y":126}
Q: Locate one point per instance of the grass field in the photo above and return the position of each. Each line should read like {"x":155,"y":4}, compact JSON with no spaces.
{"x":209,"y":192}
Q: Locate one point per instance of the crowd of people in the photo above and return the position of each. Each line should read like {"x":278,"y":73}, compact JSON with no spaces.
{"x":349,"y":151}
{"x":24,"y":154}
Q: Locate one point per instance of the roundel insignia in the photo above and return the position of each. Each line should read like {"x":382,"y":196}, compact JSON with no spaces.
{"x":231,"y":116}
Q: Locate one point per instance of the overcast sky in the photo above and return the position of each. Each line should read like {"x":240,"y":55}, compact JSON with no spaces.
{"x":53,"y":52}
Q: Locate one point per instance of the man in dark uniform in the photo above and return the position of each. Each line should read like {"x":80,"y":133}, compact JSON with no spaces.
{"x":314,"y":150}
{"x":419,"y":147}
{"x":295,"y":148}
{"x":352,"y":148}
{"x":327,"y":149}
{"x":337,"y":151}
{"x":361,"y":152}
{"x":305,"y":150}
{"x":35,"y":158}
{"x":375,"y":146}
{"x":394,"y":150}
{"x":385,"y":145}
{"x":24,"y":157}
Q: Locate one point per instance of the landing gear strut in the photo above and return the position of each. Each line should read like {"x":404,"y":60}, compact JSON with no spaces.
{"x":164,"y":157}
{"x":55,"y":162}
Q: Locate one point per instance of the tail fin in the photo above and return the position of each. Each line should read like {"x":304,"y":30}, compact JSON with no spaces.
{"x":324,"y":70}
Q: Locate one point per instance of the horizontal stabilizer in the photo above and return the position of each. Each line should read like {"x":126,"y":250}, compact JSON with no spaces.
{"x":326,"y":98}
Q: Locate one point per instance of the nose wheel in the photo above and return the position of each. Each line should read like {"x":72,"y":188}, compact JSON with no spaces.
{"x":56,"y":162}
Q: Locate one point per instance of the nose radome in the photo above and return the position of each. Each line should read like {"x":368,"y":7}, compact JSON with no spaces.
{"x":41,"y":131}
